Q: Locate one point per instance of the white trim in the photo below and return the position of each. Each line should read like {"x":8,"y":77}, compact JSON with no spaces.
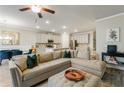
{"x":105,"y":18}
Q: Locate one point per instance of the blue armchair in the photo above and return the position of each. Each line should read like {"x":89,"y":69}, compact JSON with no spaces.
{"x":8,"y":54}
{"x":4,"y":54}
{"x":16,"y":52}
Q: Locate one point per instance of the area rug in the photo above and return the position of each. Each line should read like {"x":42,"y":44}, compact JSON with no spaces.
{"x":111,"y":78}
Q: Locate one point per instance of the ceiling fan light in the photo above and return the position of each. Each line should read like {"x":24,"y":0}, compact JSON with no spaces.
{"x":35,"y":9}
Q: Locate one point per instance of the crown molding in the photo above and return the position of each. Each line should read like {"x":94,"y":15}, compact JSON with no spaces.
{"x":105,"y":18}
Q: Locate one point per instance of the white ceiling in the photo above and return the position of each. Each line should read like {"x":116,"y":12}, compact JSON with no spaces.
{"x":80,"y":17}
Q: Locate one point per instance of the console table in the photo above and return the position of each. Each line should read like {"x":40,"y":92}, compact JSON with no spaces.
{"x":115,"y":54}
{"x":116,"y":66}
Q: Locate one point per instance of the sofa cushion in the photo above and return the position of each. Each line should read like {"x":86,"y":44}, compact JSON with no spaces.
{"x":57,"y":54}
{"x":21,"y":61}
{"x":45,"y":57}
{"x":93,"y":64}
{"x":44,"y":68}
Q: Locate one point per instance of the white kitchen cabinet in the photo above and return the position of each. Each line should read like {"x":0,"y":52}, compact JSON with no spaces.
{"x":43,"y":37}
{"x":81,"y":38}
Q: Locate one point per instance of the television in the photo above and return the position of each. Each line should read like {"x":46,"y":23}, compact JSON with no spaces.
{"x":111,"y":49}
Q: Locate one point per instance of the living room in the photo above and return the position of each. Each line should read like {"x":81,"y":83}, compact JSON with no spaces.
{"x":60,"y":44}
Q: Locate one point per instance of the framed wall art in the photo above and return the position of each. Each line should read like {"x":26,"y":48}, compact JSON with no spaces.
{"x":113,"y":35}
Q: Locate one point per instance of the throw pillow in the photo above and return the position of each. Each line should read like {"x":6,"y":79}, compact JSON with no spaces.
{"x":45,"y":57}
{"x":67,"y":54}
{"x":57,"y":54}
{"x":31,"y":61}
{"x":20,"y":61}
{"x":62,"y":54}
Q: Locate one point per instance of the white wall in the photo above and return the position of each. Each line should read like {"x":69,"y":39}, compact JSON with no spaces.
{"x":27,"y":39}
{"x":65,"y":40}
{"x":101,"y":28}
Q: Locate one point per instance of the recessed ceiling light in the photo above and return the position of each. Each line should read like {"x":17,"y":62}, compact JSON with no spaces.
{"x":53,"y":30}
{"x":37,"y":27}
{"x":47,"y":22}
{"x":75,"y":30}
{"x":64,"y":27}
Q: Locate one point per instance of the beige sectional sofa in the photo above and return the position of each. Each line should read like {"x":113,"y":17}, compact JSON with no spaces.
{"x":95,"y":67}
{"x":48,"y":65}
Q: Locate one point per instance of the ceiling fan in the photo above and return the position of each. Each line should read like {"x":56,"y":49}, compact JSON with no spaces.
{"x":37,"y":9}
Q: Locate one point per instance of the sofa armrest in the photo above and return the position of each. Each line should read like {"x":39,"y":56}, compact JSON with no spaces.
{"x":16,"y":74}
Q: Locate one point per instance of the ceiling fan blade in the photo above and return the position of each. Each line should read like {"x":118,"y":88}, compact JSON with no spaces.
{"x":40,"y":15}
{"x":48,"y":10}
{"x":24,"y":9}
